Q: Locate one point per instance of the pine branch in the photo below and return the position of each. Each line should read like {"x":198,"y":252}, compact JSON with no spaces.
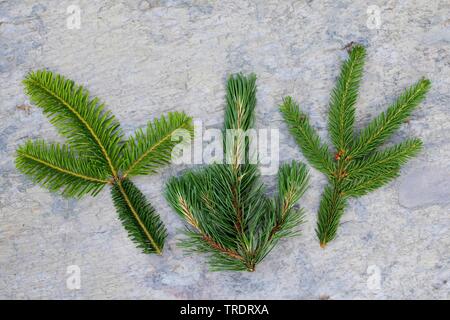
{"x":58,"y":168}
{"x":357,"y":168}
{"x":239,"y":118}
{"x":241,"y":102}
{"x":220,"y":258}
{"x":87,"y":127}
{"x":205,"y":199}
{"x":343,"y":99}
{"x":229,"y":215}
{"x":292,"y":183}
{"x":144,"y":152}
{"x":191,"y":197}
{"x":383,"y":126}
{"x":314,"y":150}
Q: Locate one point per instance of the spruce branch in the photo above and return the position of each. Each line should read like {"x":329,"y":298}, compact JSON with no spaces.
{"x":379,"y":168}
{"x":314,"y":150}
{"x":229,"y":216}
{"x":357,"y":168}
{"x":383,"y":126}
{"x":388,"y":159}
{"x":343,"y":99}
{"x":331,"y":209}
{"x":96,"y":155}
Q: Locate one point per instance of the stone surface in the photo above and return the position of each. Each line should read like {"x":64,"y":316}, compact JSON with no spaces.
{"x":425,"y":186}
{"x":145,"y":58}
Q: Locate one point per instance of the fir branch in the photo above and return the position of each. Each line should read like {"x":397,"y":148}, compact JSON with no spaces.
{"x":358,"y":168}
{"x":314,"y":150}
{"x":144,"y":152}
{"x":229,"y":215}
{"x":59,"y":168}
{"x":95,"y":153}
{"x":83,"y":121}
{"x":138,"y":217}
{"x":343,"y":99}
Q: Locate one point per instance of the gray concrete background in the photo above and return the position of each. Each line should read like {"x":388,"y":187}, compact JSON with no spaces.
{"x":144,"y":58}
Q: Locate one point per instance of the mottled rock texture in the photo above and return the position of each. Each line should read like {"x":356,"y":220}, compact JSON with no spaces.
{"x":144,"y":58}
